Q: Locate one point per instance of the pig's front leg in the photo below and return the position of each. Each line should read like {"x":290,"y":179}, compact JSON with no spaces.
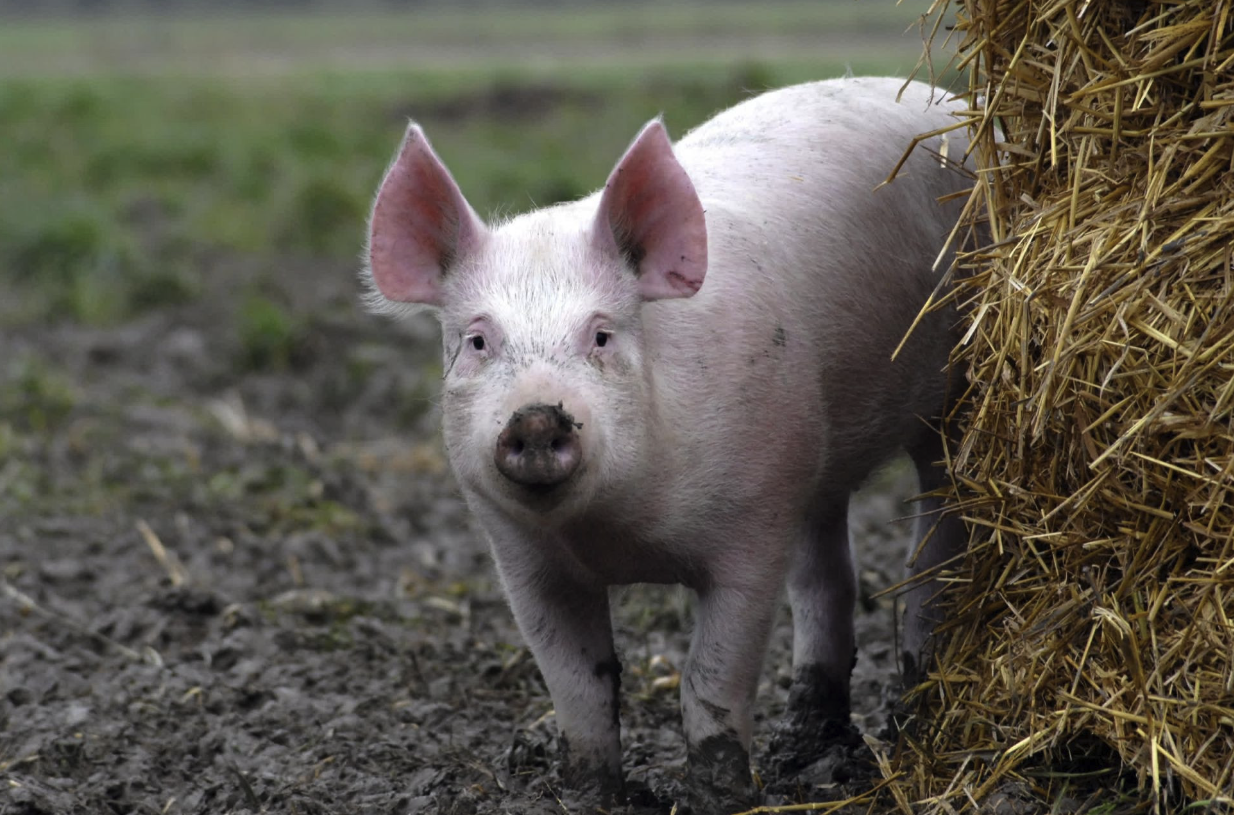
{"x":733,"y":623}
{"x":565,"y":621}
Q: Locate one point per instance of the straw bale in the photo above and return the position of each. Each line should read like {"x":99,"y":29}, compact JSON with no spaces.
{"x":1090,"y":635}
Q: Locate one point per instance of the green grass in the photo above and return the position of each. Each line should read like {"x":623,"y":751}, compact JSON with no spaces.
{"x":498,"y":36}
{"x":33,"y":397}
{"x":119,"y":189}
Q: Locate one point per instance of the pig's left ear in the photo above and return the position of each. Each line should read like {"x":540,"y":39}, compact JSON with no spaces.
{"x":650,"y":215}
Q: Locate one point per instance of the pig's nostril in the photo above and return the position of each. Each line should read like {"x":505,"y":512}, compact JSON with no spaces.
{"x":538,"y":447}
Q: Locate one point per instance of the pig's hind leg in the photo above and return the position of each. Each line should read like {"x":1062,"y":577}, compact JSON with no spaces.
{"x":822,"y":591}
{"x":937,"y":538}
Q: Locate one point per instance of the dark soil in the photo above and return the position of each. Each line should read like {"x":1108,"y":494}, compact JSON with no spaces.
{"x":242,"y":583}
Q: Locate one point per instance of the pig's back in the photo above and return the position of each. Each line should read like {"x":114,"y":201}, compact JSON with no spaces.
{"x":816,"y":152}
{"x":813,"y":278}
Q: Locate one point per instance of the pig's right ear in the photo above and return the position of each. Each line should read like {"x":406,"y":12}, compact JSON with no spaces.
{"x":421,"y":224}
{"x":651,"y":216}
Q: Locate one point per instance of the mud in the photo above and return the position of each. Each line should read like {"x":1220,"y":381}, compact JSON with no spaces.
{"x":237,"y":584}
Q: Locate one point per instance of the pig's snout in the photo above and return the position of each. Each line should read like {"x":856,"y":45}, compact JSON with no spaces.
{"x":539,"y":446}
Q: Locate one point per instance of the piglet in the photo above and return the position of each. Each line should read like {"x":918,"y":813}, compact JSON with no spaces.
{"x":680,"y":379}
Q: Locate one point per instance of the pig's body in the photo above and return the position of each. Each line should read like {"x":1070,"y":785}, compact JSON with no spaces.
{"x":713,"y":438}
{"x":774,"y":383}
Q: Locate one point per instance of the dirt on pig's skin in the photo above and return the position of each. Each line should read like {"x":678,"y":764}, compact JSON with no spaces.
{"x":242,"y":584}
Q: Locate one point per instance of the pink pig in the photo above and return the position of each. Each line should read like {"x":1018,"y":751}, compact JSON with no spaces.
{"x":680,"y":379}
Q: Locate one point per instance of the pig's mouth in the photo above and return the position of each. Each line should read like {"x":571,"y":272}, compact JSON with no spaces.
{"x":543,"y":499}
{"x":539,"y":491}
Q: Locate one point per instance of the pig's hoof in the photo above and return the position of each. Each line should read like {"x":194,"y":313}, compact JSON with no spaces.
{"x":804,"y":753}
{"x":589,"y":785}
{"x":718,"y":771}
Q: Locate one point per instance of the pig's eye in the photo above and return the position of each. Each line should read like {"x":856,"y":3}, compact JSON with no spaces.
{"x":477,"y":342}
{"x":602,"y":338}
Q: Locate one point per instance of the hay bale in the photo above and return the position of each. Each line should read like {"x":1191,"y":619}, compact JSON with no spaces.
{"x":1092,"y":625}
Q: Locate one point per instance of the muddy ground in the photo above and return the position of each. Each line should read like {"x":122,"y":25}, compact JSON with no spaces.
{"x":239,"y":579}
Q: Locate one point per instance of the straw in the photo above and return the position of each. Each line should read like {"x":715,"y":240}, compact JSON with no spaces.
{"x":1090,"y":633}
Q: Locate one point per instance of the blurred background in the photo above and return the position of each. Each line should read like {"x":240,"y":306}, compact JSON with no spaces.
{"x":147,"y":142}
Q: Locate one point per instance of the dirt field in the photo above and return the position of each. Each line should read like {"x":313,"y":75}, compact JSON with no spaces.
{"x":231,"y":592}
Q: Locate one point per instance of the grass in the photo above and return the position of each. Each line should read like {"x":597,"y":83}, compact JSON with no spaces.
{"x":33,"y":396}
{"x":111,"y":190}
{"x":141,"y":152}
{"x":496,"y":37}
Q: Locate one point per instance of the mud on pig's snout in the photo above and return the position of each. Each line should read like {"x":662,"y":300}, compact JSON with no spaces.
{"x":539,"y":446}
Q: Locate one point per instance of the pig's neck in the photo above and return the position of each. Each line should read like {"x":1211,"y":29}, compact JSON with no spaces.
{"x":663,"y":449}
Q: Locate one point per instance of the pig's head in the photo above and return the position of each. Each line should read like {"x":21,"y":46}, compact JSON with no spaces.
{"x":547,"y":399}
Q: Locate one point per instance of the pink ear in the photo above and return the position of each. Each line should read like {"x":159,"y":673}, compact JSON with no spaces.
{"x":650,"y":214}
{"x":421,"y":224}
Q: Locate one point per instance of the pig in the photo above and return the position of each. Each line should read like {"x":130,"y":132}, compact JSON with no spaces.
{"x":680,"y":379}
